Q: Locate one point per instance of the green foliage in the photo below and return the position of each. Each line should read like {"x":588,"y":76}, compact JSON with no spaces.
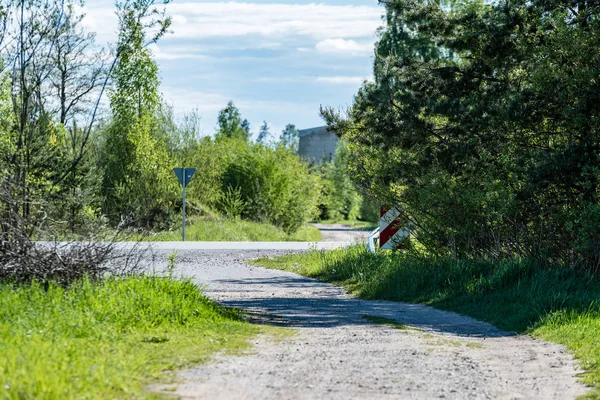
{"x":206,"y":230}
{"x":33,"y":157}
{"x":7,"y":121}
{"x":242,"y":179}
{"x":251,"y":181}
{"x":107,"y":339}
{"x":274,"y":184}
{"x":138,"y":184}
{"x":554,"y":303}
{"x":148,"y":188}
{"x":77,"y":204}
{"x":482,"y":124}
{"x":246,"y":127}
{"x":263,"y":134}
{"x":230,"y":124}
{"x":343,"y":201}
{"x":119,"y":174}
{"x":30,"y":166}
{"x":55,"y":177}
{"x":289,"y":138}
{"x":340,"y":199}
{"x":210,"y":158}
{"x":369,"y":210}
{"x":231,"y":203}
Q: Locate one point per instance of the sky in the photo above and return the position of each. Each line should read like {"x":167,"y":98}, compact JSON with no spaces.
{"x":277,"y":60}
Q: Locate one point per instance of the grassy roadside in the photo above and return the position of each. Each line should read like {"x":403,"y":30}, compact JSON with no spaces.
{"x":235,"y":231}
{"x":107,"y":339}
{"x":557,"y":304}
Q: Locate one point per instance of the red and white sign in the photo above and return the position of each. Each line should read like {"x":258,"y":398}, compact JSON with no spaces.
{"x":393,"y":228}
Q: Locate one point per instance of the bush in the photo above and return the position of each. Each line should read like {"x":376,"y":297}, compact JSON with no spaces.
{"x":339,"y":198}
{"x":273,"y":185}
{"x":139,"y":186}
{"x":254,"y":182}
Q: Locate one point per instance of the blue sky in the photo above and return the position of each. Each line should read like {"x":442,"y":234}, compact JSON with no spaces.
{"x":277,"y":60}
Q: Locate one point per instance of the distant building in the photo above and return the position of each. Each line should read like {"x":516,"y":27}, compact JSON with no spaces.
{"x":317,"y":145}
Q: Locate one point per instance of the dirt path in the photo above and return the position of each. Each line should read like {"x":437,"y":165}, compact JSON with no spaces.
{"x":337,"y":354}
{"x":341,"y":233}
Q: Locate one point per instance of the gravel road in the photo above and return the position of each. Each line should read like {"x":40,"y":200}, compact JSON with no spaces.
{"x":337,"y":354}
{"x":342,"y":233}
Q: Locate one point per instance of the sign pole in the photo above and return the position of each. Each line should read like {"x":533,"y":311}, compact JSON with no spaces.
{"x":184,"y":175}
{"x":183,"y":210}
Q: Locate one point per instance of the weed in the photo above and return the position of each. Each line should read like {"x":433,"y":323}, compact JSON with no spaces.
{"x":171,"y":264}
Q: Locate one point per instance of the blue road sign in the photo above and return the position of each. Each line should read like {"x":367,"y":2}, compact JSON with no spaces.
{"x":186,"y":173}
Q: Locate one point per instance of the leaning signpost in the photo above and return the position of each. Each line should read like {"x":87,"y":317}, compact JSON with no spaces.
{"x":184,"y":175}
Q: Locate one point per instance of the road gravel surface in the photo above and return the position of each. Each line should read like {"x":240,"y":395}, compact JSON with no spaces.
{"x":336,"y":353}
{"x":342,"y":233}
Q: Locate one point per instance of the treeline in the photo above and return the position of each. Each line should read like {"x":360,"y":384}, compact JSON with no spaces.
{"x":63,"y":160}
{"x":483,"y":124}
{"x":68,"y":164}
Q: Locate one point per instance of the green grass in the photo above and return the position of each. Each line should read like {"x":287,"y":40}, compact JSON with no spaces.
{"x":107,"y":339}
{"x":235,"y":231}
{"x":554,"y":303}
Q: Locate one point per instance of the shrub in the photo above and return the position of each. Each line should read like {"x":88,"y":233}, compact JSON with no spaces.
{"x":254,"y":182}
{"x":274,"y":185}
{"x":340,"y":199}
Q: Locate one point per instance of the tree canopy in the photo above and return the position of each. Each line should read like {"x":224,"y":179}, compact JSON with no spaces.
{"x":482,"y":123}
{"x":289,"y":137}
{"x":230,"y":124}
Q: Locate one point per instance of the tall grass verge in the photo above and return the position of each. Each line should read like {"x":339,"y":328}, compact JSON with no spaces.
{"x":236,"y":231}
{"x":107,"y":339}
{"x":554,"y":303}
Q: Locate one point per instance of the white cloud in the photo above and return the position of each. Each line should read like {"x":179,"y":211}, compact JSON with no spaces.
{"x":344,"y":46}
{"x":186,"y":99}
{"x":201,"y":20}
{"x":103,"y":21}
{"x":342,"y":80}
{"x":276,"y":61}
{"x":176,"y":53}
{"x":196,"y":21}
{"x":209,"y":104}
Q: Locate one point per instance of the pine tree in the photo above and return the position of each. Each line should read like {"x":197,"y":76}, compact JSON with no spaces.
{"x":246,"y":127}
{"x":289,"y":137}
{"x":230,"y":123}
{"x":263,"y":134}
